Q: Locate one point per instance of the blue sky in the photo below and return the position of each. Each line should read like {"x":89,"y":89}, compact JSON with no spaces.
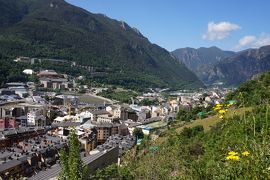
{"x":228,"y":24}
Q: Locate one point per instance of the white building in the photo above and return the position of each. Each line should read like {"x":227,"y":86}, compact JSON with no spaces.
{"x":36,"y":118}
{"x":28,"y":71}
{"x":106,"y":118}
{"x":114,"y":110}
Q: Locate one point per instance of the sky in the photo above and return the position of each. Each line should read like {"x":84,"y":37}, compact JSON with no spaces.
{"x":228,"y":24}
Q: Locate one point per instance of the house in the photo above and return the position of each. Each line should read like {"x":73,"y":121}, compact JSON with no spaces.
{"x":107,"y":118}
{"x":36,"y":118}
{"x":53,"y":83}
{"x":144,"y":114}
{"x":8,"y":92}
{"x":98,"y":113}
{"x":104,"y":130}
{"x":22,"y":121}
{"x":175,"y":105}
{"x":156,"y":111}
{"x":48,"y":74}
{"x":7,"y":122}
{"x":128,"y":113}
{"x":39,"y":100}
{"x":89,"y":140}
{"x":23,"y":59}
{"x":20,"y":90}
{"x":114,"y":110}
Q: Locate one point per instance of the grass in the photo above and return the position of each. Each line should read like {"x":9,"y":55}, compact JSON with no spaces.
{"x":91,"y":99}
{"x":209,"y":122}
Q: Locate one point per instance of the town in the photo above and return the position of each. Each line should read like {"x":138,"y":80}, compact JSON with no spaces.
{"x":36,"y":118}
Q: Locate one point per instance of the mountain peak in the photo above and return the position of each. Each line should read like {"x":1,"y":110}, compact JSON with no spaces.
{"x":197,"y":59}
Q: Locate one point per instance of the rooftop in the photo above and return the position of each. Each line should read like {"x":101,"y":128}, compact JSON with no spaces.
{"x":55,"y":170}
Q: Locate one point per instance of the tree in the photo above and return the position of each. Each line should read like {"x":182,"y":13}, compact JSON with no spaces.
{"x":138,"y":133}
{"x":72,"y":167}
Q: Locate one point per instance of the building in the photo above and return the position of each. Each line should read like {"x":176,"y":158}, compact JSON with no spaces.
{"x":105,"y":130}
{"x":107,"y":118}
{"x":99,"y":159}
{"x":23,"y":59}
{"x":97,"y":113}
{"x":52,"y":80}
{"x":144,"y":114}
{"x":7,"y":123}
{"x":30,"y":156}
{"x":20,"y":90}
{"x":89,"y":140}
{"x":28,"y":71}
{"x":22,"y":121}
{"x":123,"y":142}
{"x":128,"y":113}
{"x":48,"y":74}
{"x":36,"y":118}
{"x":53,"y":83}
{"x":7,"y":92}
{"x":114,"y":110}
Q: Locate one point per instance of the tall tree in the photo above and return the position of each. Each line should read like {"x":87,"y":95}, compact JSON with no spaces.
{"x":138,"y":133}
{"x":71,"y":163}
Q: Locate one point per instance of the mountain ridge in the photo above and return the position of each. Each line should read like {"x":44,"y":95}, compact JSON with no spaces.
{"x":56,"y":29}
{"x":199,"y":59}
{"x":239,"y":68}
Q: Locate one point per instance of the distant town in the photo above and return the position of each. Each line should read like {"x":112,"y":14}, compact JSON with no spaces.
{"x":36,"y":118}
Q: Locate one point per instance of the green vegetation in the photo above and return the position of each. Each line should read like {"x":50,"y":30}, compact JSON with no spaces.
{"x":120,"y":56}
{"x":138,"y":133}
{"x":122,"y":96}
{"x":236,"y":147}
{"x":253,"y":92}
{"x":148,"y":102}
{"x":71,"y":164}
{"x":11,"y":72}
{"x":194,"y":113}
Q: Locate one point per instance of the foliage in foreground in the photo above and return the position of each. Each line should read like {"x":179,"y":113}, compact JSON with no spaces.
{"x":237,"y":147}
{"x":253,"y":92}
{"x":71,"y":163}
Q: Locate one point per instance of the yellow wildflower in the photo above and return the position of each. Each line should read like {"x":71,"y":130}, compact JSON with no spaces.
{"x":221,"y":117}
{"x":246,"y":153}
{"x":233,"y":158}
{"x":232,"y":153}
{"x":268,"y":168}
{"x":222,"y":111}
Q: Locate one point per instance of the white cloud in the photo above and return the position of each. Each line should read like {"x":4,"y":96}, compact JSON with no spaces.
{"x":247,"y":40}
{"x":263,"y":40}
{"x":253,"y":41}
{"x":219,"y":31}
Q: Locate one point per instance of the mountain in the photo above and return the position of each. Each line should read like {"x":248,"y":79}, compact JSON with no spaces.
{"x":240,"y":67}
{"x":56,"y":29}
{"x":197,"y":59}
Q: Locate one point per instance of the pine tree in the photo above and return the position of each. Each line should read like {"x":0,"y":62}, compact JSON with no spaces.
{"x":71,"y":163}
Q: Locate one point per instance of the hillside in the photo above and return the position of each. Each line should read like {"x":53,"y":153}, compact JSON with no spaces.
{"x":239,"y":68}
{"x":56,"y":29}
{"x":198,"y":59}
{"x":234,"y":148}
